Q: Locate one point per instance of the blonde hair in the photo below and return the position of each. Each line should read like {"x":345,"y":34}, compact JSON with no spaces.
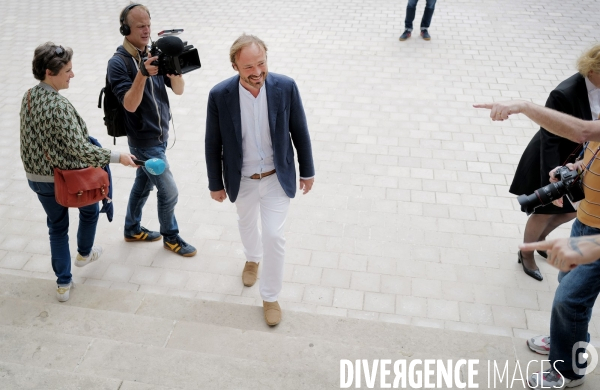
{"x":243,"y":41}
{"x":589,"y":60}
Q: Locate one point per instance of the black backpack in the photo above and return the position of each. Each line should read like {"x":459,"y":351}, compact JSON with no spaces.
{"x":114,"y":113}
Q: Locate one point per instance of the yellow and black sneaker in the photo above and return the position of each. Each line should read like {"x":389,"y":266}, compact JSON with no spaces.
{"x":144,"y":235}
{"x":180,"y":247}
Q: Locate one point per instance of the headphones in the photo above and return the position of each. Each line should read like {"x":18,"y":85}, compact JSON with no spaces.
{"x":125,"y":29}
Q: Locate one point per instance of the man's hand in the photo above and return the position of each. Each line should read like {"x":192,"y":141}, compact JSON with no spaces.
{"x":177,"y":83}
{"x":152,"y":70}
{"x":502,"y":110}
{"x":219,"y":196}
{"x":552,"y":175}
{"x":567,"y":253}
{"x":306,"y":185}
{"x":554,"y":179}
{"x":126,"y":159}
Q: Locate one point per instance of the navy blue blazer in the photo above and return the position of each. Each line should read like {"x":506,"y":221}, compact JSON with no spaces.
{"x":287,"y":124}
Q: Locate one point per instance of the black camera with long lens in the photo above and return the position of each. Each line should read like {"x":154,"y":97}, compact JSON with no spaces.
{"x":569,"y":184}
{"x":174,"y":56}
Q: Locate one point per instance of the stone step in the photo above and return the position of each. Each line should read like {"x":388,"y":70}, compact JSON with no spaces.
{"x":160,"y":315}
{"x":167,"y":367}
{"x":134,"y":339}
{"x":24,"y":377}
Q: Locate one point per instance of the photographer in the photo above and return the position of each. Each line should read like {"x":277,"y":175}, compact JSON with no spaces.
{"x":579,"y":287}
{"x":544,"y":152}
{"x":144,"y":97}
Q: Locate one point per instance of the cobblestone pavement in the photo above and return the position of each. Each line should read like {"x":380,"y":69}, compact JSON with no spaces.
{"x":410,"y":219}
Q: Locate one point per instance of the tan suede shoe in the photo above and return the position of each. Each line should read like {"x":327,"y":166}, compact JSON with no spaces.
{"x":249,"y":274}
{"x":272,"y":313}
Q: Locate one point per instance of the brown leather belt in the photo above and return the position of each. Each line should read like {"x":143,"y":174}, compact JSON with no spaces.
{"x":261,"y":175}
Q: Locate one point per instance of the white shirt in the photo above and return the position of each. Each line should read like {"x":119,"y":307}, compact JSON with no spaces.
{"x":594,"y":98}
{"x":257,"y":147}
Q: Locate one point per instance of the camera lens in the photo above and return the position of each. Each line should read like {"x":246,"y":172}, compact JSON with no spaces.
{"x":551,"y":192}
{"x":541,"y":197}
{"x":528,"y":202}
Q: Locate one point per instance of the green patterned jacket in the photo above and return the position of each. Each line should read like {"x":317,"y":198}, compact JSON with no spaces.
{"x":54,"y":135}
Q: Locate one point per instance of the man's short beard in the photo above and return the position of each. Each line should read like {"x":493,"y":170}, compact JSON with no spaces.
{"x":249,"y":81}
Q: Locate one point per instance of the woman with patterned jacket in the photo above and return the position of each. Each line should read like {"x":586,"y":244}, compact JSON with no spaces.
{"x":54,"y":135}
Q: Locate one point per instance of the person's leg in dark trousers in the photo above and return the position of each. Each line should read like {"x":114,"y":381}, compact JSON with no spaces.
{"x":572,"y":308}
{"x":427,"y":15}
{"x":86,"y":232}
{"x":57,"y":219}
{"x":411,"y":10}
{"x":142,"y":186}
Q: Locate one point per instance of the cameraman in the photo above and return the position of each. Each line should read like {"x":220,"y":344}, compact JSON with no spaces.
{"x":144,"y":97}
{"x":579,"y":287}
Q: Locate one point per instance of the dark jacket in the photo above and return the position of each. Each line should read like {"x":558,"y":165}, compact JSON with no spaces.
{"x":149,"y":124}
{"x":546,"y":151}
{"x":287,"y":124}
{"x":570,"y":97}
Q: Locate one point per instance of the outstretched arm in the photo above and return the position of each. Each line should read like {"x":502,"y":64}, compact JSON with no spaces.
{"x":567,"y":253}
{"x":566,"y":126}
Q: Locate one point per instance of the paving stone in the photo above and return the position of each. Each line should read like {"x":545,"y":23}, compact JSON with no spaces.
{"x":412,"y":182}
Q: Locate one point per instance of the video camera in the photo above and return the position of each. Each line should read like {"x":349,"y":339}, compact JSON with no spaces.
{"x":174,"y":55}
{"x":569,"y":184}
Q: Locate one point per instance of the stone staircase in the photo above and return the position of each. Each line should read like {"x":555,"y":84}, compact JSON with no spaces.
{"x":121,"y":340}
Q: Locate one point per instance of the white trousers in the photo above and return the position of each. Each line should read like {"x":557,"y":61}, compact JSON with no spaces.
{"x":264,"y":198}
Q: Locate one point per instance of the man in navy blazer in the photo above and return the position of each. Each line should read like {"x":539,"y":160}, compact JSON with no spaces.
{"x":254,"y":120}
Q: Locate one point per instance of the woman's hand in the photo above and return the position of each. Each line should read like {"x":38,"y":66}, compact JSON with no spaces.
{"x":126,"y":159}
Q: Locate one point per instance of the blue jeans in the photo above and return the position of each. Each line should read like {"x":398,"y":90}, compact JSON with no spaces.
{"x":58,"y":229}
{"x":572,"y":308}
{"x":166,"y":197}
{"x":411,"y":10}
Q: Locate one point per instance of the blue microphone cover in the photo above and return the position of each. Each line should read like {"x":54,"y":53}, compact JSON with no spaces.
{"x":155,"y":166}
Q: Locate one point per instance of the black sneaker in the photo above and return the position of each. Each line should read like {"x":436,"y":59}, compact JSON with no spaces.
{"x":405,"y":35}
{"x":144,"y":235}
{"x":425,"y":35}
{"x":180,"y":247}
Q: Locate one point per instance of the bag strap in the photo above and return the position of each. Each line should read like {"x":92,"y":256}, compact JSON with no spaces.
{"x":127,"y":61}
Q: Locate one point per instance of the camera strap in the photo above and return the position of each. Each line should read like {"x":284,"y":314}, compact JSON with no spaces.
{"x":143,"y":70}
{"x":589,"y":164}
{"x":574,"y":153}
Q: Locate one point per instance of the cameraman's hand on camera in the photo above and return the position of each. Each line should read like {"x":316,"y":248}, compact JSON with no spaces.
{"x":552,"y":174}
{"x":557,"y":202}
{"x":577,"y":166}
{"x":177,"y":83}
{"x":567,"y":253}
{"x":152,"y":70}
{"x":572,"y":167}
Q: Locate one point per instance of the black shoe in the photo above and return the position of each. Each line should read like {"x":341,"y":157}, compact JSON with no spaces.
{"x":544,"y":254}
{"x":144,"y":235}
{"x":536,"y":274}
{"x":405,"y":35}
{"x":425,"y":35}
